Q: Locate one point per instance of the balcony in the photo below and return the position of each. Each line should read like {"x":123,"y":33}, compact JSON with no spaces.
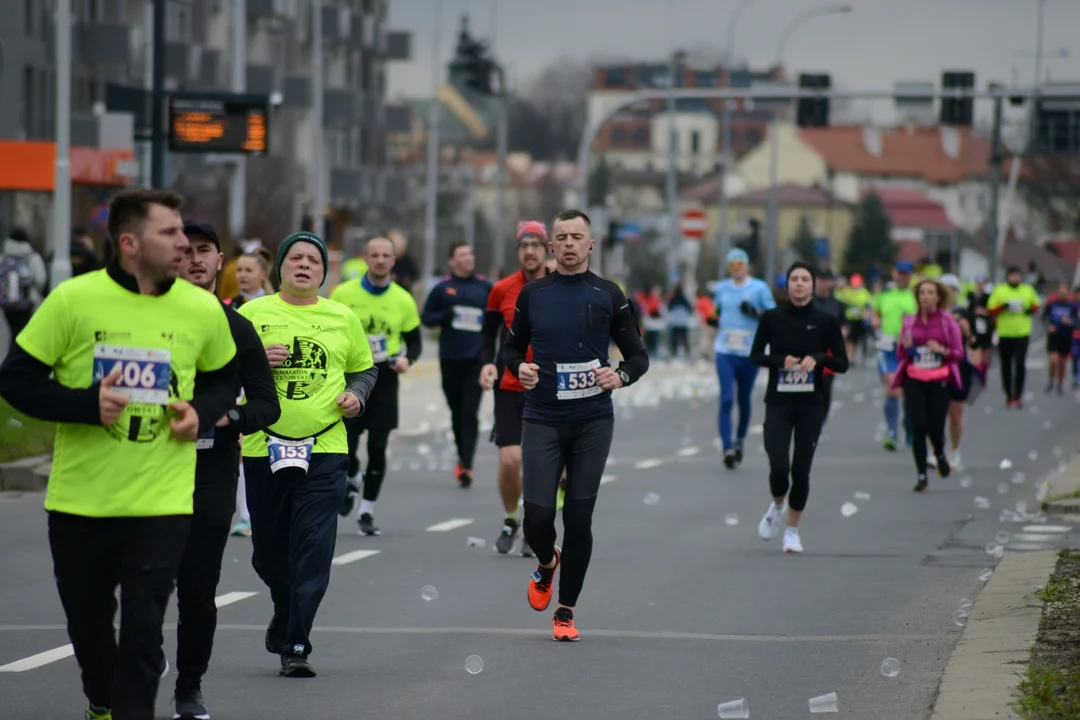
{"x":178,"y":61}
{"x":345,"y":187}
{"x":398,"y":46}
{"x":340,"y":106}
{"x":297,"y":92}
{"x":103,"y":44}
{"x":260,"y":79}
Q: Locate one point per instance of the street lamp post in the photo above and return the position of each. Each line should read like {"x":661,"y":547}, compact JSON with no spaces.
{"x":774,"y":137}
{"x":723,"y":239}
{"x":431,"y":206}
{"x":672,"y":180}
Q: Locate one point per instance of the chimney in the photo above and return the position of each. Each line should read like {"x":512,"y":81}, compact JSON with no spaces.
{"x":950,"y":141}
{"x":872,"y":140}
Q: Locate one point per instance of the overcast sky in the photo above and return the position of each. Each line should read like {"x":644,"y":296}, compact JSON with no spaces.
{"x":877,"y":44}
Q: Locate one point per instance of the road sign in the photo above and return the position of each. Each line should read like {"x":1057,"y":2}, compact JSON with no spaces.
{"x":218,"y":123}
{"x":692,"y":224}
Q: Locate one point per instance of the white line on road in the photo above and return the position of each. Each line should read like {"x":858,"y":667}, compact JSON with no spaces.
{"x":688,"y":451}
{"x":1047,"y":528}
{"x":608,"y":479}
{"x":353,"y":556}
{"x":757,"y":429}
{"x":232,"y":597}
{"x":452,"y":524}
{"x":1029,"y":546}
{"x":648,"y":464}
{"x":1036,"y":537}
{"x":36,"y":661}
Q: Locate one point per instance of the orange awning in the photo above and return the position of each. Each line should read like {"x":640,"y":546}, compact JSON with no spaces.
{"x":30,"y":166}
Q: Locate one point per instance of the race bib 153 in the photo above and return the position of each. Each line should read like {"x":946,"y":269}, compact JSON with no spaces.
{"x":576,"y":380}
{"x":144,"y":372}
{"x":795,"y":381}
{"x":469,"y":319}
{"x":289,"y":453}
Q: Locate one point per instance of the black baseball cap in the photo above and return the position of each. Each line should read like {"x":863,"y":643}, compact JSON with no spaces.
{"x":204,"y":229}
{"x":826,"y":274}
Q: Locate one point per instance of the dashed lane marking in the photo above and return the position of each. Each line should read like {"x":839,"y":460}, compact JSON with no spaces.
{"x":353,"y":556}
{"x":452,"y":524}
{"x":232,"y":597}
{"x":608,"y":479}
{"x":648,"y":464}
{"x":688,"y":451}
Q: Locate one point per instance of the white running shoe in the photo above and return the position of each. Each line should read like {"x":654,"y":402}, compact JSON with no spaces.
{"x":792,"y":543}
{"x":931,"y":459}
{"x":770,"y":523}
{"x":954,"y":460}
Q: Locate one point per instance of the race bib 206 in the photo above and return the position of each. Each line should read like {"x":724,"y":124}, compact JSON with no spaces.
{"x":574,"y":381}
{"x":144,"y":372}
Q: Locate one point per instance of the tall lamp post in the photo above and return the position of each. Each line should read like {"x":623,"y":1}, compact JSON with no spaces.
{"x":672,"y":179}
{"x":774,"y":136}
{"x":723,"y":240}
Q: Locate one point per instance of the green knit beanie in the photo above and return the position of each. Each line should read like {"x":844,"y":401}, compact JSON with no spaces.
{"x":307,"y":237}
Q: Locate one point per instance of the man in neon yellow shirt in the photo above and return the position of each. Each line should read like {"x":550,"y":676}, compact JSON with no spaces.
{"x":296,"y":469}
{"x":390,"y":319}
{"x":1012,"y":304}
{"x":112,"y":357}
{"x":890,"y":308}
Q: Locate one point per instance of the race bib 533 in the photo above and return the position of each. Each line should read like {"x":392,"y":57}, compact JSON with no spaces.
{"x":576,"y":380}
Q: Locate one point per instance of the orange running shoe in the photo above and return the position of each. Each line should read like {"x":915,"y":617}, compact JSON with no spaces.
{"x":464,"y":476}
{"x":540,"y":585}
{"x":562,"y":626}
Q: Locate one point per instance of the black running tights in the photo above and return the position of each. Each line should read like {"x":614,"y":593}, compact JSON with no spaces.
{"x":781,"y":423}
{"x":926,"y":405}
{"x":826,"y":395}
{"x":1013,"y":353}
{"x":377,"y":441}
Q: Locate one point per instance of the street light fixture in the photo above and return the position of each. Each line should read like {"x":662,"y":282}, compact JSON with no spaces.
{"x":774,"y":135}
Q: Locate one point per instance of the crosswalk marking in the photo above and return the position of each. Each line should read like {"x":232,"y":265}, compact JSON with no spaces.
{"x":647,"y":464}
{"x":452,"y":524}
{"x":353,"y":556}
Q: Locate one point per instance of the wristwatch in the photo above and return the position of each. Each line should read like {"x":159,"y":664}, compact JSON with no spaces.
{"x":625,"y":377}
{"x":233,"y":415}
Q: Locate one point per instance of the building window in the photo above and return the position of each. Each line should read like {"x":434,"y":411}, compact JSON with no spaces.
{"x":92,"y":11}
{"x":613,"y":78}
{"x":695,"y":142}
{"x":30,"y":17}
{"x":705,"y":79}
{"x":753,"y":137}
{"x":618,"y":136}
{"x":178,"y":22}
{"x":641,"y":136}
{"x":28,"y":103}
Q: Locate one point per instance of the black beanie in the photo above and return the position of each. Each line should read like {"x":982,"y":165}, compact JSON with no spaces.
{"x":800,"y":265}
{"x":307,"y":237}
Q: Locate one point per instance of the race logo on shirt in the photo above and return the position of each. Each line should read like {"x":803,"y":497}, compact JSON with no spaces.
{"x":144,"y":422}
{"x":300,"y":375}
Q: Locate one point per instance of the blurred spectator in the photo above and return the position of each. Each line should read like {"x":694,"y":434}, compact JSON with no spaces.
{"x":23,"y":279}
{"x":650,"y":304}
{"x":84,"y":257}
{"x":404,"y":271}
{"x":680,"y":318}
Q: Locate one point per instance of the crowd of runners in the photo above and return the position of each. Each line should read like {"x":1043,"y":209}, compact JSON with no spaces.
{"x":176,"y":410}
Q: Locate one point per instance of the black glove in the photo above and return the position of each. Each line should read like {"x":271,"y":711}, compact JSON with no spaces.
{"x":749,"y":310}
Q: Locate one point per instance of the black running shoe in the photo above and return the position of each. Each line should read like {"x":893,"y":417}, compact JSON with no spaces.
{"x":351,"y":491}
{"x":943,"y":467}
{"x":505,"y":542}
{"x":189,"y":705}
{"x":367,"y":525}
{"x":275,"y":636}
{"x":731,"y":459}
{"x":738,"y":453}
{"x":296,"y":666}
{"x":920,"y":486}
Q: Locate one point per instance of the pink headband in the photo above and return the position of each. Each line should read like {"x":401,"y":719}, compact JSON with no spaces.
{"x":531,"y":227}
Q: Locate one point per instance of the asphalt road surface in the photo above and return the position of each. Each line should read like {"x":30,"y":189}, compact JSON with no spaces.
{"x":681,"y":610}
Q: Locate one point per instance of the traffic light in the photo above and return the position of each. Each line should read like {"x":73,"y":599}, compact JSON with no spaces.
{"x":813,"y":112}
{"x":957,"y":111}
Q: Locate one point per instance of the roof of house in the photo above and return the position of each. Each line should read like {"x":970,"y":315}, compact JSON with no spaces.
{"x":909,"y":209}
{"x":910,"y":151}
{"x":787,"y":194}
{"x":911,"y":250}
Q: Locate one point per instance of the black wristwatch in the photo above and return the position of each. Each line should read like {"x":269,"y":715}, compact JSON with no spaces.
{"x":625,"y":377}
{"x":233,"y":415}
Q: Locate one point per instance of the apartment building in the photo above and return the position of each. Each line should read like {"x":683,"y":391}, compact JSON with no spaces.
{"x":111,"y":50}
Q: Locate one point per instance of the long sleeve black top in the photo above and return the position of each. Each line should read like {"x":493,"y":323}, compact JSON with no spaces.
{"x":799,"y":332}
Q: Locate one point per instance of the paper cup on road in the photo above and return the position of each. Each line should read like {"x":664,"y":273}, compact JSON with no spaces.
{"x":476,"y":542}
{"x":825,"y":704}
{"x":734,"y":709}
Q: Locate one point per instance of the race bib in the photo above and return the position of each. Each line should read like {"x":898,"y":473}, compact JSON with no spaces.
{"x":735,"y":340}
{"x":289,"y":453}
{"x":144,"y":372}
{"x":981,"y":326}
{"x":206,"y":441}
{"x":886,"y":343}
{"x":574,"y":381}
{"x":378,"y":347}
{"x":795,"y":381}
{"x":926,"y":359}
{"x":1016,"y":306}
{"x":469,"y":319}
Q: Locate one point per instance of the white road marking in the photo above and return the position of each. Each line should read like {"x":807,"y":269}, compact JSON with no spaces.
{"x":608,"y":479}
{"x":353,"y":556}
{"x":452,"y":524}
{"x":232,"y":597}
{"x":1036,"y":537}
{"x":1028,"y":546}
{"x":648,"y":464}
{"x":688,"y":451}
{"x":1047,"y":528}
{"x":757,"y":429}
{"x":36,"y":661}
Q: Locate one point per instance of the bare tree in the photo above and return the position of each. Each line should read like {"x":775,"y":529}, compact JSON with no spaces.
{"x":273,"y":184}
{"x":549,"y":115}
{"x":1050,"y":188}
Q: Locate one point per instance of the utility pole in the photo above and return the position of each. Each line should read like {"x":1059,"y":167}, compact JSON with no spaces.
{"x":431,"y":206}
{"x":723,"y":241}
{"x":157,"y":100}
{"x":502,"y":141}
{"x":238,"y":71}
{"x":61,"y":209}
{"x":672,"y":180}
{"x":995,"y":188}
{"x":318,"y":144}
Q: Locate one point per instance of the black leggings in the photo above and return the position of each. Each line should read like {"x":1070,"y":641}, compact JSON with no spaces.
{"x":926,"y":406}
{"x":461,"y":387}
{"x":582,"y":447}
{"x":1013,"y":353}
{"x":377,"y":440}
{"x":781,"y":421}
{"x":826,"y":396}
{"x":678,"y":337}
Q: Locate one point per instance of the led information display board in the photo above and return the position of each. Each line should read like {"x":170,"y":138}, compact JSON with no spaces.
{"x":218,"y":123}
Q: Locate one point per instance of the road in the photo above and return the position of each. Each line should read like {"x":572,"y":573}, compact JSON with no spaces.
{"x":680,"y":610}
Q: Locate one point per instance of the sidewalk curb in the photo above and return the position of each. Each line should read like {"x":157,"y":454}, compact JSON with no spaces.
{"x":1062,"y":498}
{"x":983,"y":672}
